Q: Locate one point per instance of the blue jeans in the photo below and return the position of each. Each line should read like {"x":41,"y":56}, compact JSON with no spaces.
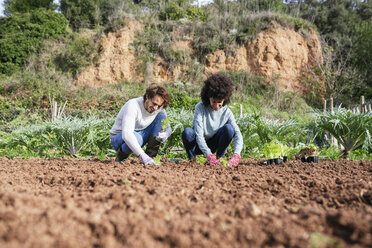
{"x":218,"y":143}
{"x":142,"y":136}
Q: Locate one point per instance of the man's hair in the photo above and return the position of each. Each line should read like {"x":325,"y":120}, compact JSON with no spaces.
{"x":219,"y":87}
{"x":154,"y":90}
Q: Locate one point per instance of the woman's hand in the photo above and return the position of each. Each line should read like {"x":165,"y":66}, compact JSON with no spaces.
{"x":234,"y":160}
{"x":212,"y":159}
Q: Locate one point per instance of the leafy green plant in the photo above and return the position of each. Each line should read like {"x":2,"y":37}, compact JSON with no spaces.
{"x":164,"y":123}
{"x":224,"y":161}
{"x":309,"y":150}
{"x":201,"y":159}
{"x":352,"y":130}
{"x":157,"y":159}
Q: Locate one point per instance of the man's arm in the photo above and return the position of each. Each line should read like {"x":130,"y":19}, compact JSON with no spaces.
{"x":128,"y":125}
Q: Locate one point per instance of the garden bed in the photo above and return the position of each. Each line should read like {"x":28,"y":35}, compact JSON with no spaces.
{"x":91,"y":203}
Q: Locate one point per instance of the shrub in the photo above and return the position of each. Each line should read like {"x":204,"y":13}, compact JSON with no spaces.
{"x":176,"y":11}
{"x":77,"y":54}
{"x":23,"y":34}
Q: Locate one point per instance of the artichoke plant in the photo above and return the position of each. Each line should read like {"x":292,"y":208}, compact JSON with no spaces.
{"x":351,"y":130}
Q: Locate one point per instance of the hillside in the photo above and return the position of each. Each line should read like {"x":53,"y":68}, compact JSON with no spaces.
{"x":279,"y":54}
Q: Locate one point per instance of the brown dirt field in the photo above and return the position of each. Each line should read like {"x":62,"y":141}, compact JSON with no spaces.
{"x":91,"y":203}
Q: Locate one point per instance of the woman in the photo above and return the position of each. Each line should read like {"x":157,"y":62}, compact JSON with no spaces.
{"x":214,"y":124}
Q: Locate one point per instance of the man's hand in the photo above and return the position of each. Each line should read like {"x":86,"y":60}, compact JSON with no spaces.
{"x":234,"y":160}
{"x":164,"y":135}
{"x":213,"y":160}
{"x":145,"y":159}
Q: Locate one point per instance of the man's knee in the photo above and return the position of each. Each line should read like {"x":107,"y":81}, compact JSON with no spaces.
{"x":161,"y":116}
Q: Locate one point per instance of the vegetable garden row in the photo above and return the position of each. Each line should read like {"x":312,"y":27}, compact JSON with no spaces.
{"x":263,"y":138}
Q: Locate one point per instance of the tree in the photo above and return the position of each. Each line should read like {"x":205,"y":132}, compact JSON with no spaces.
{"x":81,"y":13}
{"x":22,"y":34}
{"x":25,"y":6}
{"x":362,"y":54}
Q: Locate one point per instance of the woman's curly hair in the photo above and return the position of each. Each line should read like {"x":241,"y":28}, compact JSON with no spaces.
{"x":218,"y":87}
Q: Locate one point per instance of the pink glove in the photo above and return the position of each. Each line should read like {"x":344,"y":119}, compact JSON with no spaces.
{"x":146,"y":159}
{"x":213,"y":160}
{"x":234,"y":160}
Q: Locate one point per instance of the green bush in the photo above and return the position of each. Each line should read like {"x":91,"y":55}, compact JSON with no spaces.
{"x":81,"y":13}
{"x":23,"y":34}
{"x":176,"y":11}
{"x":78,"y":53}
{"x":24,"y":6}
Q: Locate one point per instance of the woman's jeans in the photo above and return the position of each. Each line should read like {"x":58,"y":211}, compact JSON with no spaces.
{"x":218,"y":143}
{"x":142,"y":136}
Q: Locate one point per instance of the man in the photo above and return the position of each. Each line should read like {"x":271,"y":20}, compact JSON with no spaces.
{"x":139,"y":122}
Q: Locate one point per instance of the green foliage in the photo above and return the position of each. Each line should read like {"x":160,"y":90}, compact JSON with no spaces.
{"x":224,"y":161}
{"x":157,"y":159}
{"x":70,"y":136}
{"x":23,"y":34}
{"x":269,"y":130}
{"x":201,"y":159}
{"x":345,"y":28}
{"x":263,"y":5}
{"x":176,"y":10}
{"x":318,"y":240}
{"x":352,"y":130}
{"x":81,"y":13}
{"x":331,"y":152}
{"x":275,"y":149}
{"x":24,"y":6}
{"x":78,"y":53}
{"x":362,"y":57}
{"x":179,"y":120}
{"x":181,"y":99}
{"x":165,"y":123}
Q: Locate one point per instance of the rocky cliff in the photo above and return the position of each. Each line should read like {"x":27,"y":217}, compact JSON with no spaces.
{"x":279,"y":53}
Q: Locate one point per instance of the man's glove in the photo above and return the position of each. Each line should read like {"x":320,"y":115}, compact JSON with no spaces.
{"x":213,"y":160}
{"x":234,"y":160}
{"x":145,"y":159}
{"x":164,"y":135}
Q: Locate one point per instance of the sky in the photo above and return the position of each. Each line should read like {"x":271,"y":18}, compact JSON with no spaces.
{"x":199,"y":2}
{"x":1,"y":8}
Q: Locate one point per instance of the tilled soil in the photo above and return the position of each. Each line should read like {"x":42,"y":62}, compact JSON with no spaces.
{"x":92,"y":203}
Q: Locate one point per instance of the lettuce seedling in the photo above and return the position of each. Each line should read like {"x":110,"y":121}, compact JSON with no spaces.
{"x":164,"y":123}
{"x":157,"y":159}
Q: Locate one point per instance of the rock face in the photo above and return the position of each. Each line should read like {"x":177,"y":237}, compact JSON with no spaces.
{"x":280,"y":54}
{"x":118,"y":60}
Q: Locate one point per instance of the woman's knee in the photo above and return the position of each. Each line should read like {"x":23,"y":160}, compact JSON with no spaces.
{"x":229,"y":130}
{"x":188,"y":134}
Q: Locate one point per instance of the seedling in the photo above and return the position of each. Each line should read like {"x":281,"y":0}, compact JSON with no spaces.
{"x":157,"y":159}
{"x":164,"y":123}
{"x":223,"y":161}
{"x":201,"y":159}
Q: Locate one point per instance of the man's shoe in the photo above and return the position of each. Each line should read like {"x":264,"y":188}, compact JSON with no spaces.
{"x":120,"y":156}
{"x":152,"y":146}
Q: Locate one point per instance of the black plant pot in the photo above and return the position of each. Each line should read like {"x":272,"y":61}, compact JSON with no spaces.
{"x":312,"y":159}
{"x":277,"y":160}
{"x":269,"y":161}
{"x":303,"y":159}
{"x":285,"y":159}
